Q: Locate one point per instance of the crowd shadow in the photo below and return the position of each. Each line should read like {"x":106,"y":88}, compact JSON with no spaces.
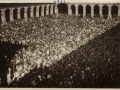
{"x":7,"y":53}
{"x":93,"y":65}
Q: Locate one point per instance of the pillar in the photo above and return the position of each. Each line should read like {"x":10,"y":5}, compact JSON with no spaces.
{"x":84,"y":10}
{"x":56,"y":10}
{"x":69,"y":10}
{"x":11,"y":14}
{"x":51,"y":10}
{"x":37,"y":11}
{"x":42,"y":11}
{"x":92,"y":11}
{"x":18,"y":13}
{"x":47,"y":10}
{"x":100,"y":11}
{"x":25,"y":13}
{"x":76,"y":10}
{"x":31,"y":11}
{"x":119,"y":10}
{"x":109,"y":11}
{"x":2,"y":15}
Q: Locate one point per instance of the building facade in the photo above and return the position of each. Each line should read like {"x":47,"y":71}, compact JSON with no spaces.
{"x":24,"y":12}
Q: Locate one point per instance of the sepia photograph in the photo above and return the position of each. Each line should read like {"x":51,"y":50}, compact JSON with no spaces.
{"x":60,"y":44}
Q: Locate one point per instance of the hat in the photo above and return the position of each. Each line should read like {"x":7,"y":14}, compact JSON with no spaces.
{"x":82,"y":71}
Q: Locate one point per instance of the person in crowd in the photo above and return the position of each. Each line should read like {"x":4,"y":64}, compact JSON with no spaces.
{"x":50,"y":40}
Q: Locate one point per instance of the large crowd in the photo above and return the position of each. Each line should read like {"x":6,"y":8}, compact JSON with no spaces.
{"x":50,"y":40}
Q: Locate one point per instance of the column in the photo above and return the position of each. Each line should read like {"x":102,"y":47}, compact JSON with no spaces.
{"x":56,"y":10}
{"x":84,"y":10}
{"x":69,"y":9}
{"x":31,"y":11}
{"x":25,"y":13}
{"x":76,"y":10}
{"x":37,"y":11}
{"x":51,"y":10}
{"x":11,"y":14}
{"x":92,"y":11}
{"x":100,"y":11}
{"x":42,"y":11}
{"x":119,"y":10}
{"x":18,"y":13}
{"x":47,"y":10}
{"x":2,"y":15}
{"x":109,"y":11}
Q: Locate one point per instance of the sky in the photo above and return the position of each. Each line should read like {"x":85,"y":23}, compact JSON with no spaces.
{"x":67,"y":1}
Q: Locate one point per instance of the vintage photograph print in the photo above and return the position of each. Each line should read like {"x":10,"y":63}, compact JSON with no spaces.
{"x":60,"y":44}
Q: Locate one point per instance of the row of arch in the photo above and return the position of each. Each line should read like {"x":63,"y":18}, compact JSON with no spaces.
{"x":96,"y":9}
{"x":28,"y":11}
{"x":62,"y":8}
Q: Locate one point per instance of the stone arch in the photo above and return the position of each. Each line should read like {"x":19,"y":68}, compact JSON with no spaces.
{"x":40,"y":9}
{"x":80,"y":11}
{"x":15,"y":13}
{"x":28,"y":12}
{"x":45,"y":7}
{"x":7,"y":15}
{"x":88,"y":10}
{"x":34,"y":11}
{"x":96,"y":11}
{"x":73,"y":9}
{"x":22,"y":13}
{"x":62,"y":8}
{"x":105,"y":11}
{"x":114,"y":11}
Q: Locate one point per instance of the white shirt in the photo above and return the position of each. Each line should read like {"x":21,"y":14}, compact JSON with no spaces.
{"x":47,"y":52}
{"x":20,"y":68}
{"x":8,"y":78}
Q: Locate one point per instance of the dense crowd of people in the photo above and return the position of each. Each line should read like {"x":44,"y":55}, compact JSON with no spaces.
{"x":50,"y":40}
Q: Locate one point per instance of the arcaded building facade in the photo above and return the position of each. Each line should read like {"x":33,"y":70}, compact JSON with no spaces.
{"x":105,"y":10}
